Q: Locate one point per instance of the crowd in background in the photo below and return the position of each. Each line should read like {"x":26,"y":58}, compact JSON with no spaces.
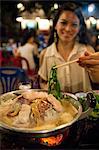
{"x":38,"y":40}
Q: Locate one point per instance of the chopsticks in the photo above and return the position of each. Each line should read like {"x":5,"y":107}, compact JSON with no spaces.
{"x":67,"y":63}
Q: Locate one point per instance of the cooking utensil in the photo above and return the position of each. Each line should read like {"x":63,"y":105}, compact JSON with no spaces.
{"x":42,"y":133}
{"x":67,"y":63}
{"x":49,"y":132}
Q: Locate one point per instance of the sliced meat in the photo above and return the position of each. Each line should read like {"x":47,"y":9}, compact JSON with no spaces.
{"x":56,"y":103}
{"x":30,"y":95}
{"x":4,"y":110}
{"x":23,"y":100}
{"x":24,"y":113}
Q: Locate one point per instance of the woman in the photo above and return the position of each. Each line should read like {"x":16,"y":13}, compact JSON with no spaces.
{"x":71,"y":43}
{"x":28,"y":50}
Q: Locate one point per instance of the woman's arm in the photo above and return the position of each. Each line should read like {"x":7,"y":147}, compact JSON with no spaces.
{"x":43,"y":71}
{"x":16,"y":52}
{"x":91,"y":63}
{"x":35,"y":50}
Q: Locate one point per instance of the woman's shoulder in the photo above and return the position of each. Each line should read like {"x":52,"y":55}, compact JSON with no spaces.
{"x":49,"y":50}
{"x":86,"y":47}
{"x":20,"y":48}
{"x":90,"y":48}
{"x":43,"y":52}
{"x":29,"y":45}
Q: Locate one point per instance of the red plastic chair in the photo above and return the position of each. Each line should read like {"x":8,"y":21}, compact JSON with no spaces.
{"x":0,"y":57}
{"x":32,"y":74}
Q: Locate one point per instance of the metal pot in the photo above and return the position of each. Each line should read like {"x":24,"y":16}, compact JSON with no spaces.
{"x":64,"y":128}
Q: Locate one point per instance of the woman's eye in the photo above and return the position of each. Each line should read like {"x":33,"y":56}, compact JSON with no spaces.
{"x":75,"y":25}
{"x":64,"y":23}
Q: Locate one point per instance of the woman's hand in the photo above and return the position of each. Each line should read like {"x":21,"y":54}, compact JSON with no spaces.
{"x":89,"y":59}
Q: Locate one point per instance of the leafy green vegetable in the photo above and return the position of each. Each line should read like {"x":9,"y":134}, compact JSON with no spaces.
{"x":54,"y":85}
{"x":95,"y":113}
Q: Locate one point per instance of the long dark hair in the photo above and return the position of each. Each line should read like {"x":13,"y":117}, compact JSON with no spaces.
{"x":28,"y":34}
{"x":76,"y":8}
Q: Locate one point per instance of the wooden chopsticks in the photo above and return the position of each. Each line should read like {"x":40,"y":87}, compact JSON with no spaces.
{"x":67,"y":63}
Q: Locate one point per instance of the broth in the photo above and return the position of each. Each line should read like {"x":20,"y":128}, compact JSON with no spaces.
{"x":37,"y":111}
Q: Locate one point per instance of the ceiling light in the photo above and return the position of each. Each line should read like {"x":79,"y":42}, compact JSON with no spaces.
{"x":55,"y":6}
{"x":19,"y":19}
{"x":19,"y":5}
{"x":91,"y":8}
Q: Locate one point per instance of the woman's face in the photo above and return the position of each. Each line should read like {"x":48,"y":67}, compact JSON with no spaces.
{"x":67,"y":26}
{"x":31,"y":40}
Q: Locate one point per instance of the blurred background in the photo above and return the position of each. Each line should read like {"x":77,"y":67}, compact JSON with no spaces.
{"x":17,"y":16}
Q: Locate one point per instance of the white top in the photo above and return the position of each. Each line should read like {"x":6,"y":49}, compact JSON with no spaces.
{"x":26,"y":51}
{"x":72,"y":78}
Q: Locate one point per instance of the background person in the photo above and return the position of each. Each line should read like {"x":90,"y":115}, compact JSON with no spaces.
{"x":28,"y":49}
{"x":11,"y":45}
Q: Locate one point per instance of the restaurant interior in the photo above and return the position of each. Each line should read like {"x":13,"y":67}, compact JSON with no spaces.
{"x":17,"y":18}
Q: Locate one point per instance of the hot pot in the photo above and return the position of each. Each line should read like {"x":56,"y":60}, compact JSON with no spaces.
{"x":59,"y":132}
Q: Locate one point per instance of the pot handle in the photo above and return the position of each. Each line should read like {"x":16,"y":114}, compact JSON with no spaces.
{"x":91,"y":99}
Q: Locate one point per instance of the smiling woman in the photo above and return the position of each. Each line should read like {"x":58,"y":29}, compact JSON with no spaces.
{"x":71,"y":42}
